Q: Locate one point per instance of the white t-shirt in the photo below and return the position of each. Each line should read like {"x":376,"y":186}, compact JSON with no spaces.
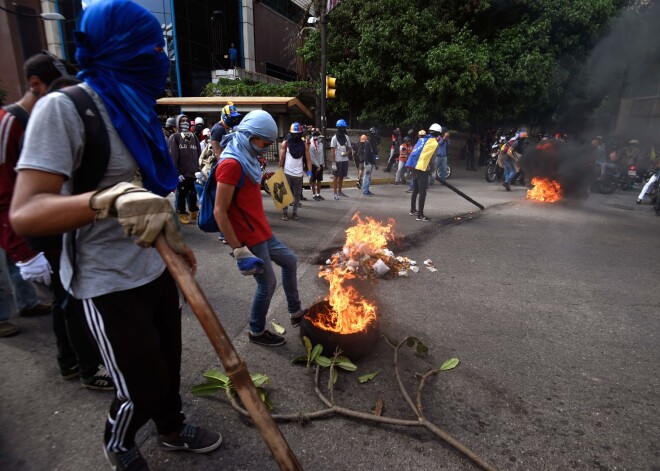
{"x":341,"y":152}
{"x":293,"y":167}
{"x":106,"y":260}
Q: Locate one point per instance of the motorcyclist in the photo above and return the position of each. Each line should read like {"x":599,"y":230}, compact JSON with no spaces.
{"x":514,"y":150}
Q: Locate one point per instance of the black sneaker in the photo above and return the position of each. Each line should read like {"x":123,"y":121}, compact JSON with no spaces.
{"x":193,"y":439}
{"x":267,"y":338}
{"x":40,"y":309}
{"x":297,"y":317}
{"x":130,"y":460}
{"x":423,"y":218}
{"x":69,"y":372}
{"x":302,"y":198}
{"x":507,"y":186}
{"x":321,"y":198}
{"x":413,"y":213}
{"x":101,"y":380}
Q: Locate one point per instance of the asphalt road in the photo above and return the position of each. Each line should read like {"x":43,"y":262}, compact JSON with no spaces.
{"x":551,"y":308}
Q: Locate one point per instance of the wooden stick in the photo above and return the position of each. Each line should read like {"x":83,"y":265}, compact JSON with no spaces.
{"x":232,"y":363}
{"x":459,"y":192}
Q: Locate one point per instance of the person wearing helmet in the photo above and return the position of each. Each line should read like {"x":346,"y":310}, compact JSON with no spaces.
{"x":229,"y":118}
{"x":420,"y":162}
{"x":317,"y":157}
{"x":240,"y":214}
{"x":359,"y":160}
{"x":440,"y":158}
{"x":404,"y":152}
{"x":341,"y":151}
{"x":170,"y":127}
{"x":199,"y":127}
{"x":294,"y":154}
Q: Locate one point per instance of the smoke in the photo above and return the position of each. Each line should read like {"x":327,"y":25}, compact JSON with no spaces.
{"x":569,"y":163}
{"x":624,"y":63}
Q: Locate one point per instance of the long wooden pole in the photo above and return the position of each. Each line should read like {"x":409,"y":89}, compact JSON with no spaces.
{"x":232,"y":363}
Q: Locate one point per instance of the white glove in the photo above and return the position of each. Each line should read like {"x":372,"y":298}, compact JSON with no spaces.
{"x":367,"y":169}
{"x":181,"y":178}
{"x":36,"y":269}
{"x":334,"y":167}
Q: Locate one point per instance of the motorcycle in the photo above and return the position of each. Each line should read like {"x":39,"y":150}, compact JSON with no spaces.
{"x":614,"y":179}
{"x":438,"y":172}
{"x":493,"y":171}
{"x":265,"y":175}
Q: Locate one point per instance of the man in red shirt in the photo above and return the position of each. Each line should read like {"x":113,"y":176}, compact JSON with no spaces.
{"x":240,"y":215}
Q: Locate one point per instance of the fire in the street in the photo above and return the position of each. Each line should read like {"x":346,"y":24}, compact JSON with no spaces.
{"x":350,"y":312}
{"x":367,"y":236}
{"x":545,"y":190}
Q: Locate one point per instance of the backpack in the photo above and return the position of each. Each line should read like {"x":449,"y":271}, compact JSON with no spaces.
{"x":96,"y":155}
{"x":416,"y":152}
{"x":206,"y":219}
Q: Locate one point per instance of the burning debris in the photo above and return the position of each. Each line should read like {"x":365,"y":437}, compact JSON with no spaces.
{"x":545,"y":190}
{"x":365,"y":254}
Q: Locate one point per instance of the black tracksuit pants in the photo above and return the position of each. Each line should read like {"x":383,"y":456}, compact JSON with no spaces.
{"x":139,"y":334}
{"x":420,"y":185}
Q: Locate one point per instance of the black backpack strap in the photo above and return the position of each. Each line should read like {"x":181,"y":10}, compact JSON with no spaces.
{"x":19,"y":113}
{"x":96,"y":154}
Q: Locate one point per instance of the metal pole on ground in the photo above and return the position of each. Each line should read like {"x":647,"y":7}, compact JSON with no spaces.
{"x":459,"y":192}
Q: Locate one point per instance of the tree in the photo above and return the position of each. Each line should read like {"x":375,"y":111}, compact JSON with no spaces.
{"x":459,"y":62}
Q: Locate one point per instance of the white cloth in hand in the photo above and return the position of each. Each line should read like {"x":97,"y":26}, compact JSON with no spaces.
{"x":36,"y":269}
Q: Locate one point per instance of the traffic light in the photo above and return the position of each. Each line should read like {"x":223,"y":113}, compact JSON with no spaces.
{"x":330,"y":84}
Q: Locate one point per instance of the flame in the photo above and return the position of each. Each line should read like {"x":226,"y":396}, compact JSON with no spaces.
{"x":350,"y":312}
{"x":545,"y":190}
{"x":368,"y":236}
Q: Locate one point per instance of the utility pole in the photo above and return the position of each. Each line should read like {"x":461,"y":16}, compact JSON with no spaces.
{"x":324,"y":60}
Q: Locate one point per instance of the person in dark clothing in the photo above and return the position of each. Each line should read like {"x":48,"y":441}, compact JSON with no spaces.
{"x":470,"y":145}
{"x":370,"y":156}
{"x":185,"y":150}
{"x":394,"y":149}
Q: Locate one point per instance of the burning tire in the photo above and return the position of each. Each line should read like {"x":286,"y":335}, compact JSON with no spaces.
{"x":354,"y":346}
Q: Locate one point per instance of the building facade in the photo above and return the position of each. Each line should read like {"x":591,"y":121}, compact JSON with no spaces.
{"x":198,"y":36}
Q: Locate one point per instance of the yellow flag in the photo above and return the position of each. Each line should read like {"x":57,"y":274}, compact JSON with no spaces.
{"x":279,"y":189}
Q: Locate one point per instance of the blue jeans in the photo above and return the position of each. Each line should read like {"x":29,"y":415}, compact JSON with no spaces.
{"x":366,"y":179}
{"x":269,"y":251}
{"x":509,"y":170}
{"x":24,"y":293}
{"x":441,"y":163}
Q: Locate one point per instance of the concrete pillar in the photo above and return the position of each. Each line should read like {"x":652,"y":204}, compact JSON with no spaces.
{"x":247,"y":16}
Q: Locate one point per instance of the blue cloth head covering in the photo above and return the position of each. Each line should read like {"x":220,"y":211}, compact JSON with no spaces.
{"x":119,"y":49}
{"x":237,"y":145}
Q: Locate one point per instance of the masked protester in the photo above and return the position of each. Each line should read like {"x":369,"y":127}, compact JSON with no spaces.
{"x":185,"y":150}
{"x":317,"y":157}
{"x":129,"y":299}
{"x":240,"y":215}
{"x":294,"y":154}
{"x":341,"y":151}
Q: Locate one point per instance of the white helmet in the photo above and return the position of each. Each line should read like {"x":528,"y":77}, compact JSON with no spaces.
{"x":435,"y":127}
{"x":199,"y":120}
{"x":206,"y":132}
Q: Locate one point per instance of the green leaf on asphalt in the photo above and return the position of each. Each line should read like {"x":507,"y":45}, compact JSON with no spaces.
{"x":323,"y":361}
{"x":411,"y":341}
{"x":207,"y":389}
{"x":308,"y":347}
{"x":217,"y":376}
{"x":368,"y":377}
{"x":278,"y":328}
{"x":316,"y":351}
{"x":422,"y":349}
{"x":300,"y":359}
{"x":346,"y":365}
{"x":449,"y":364}
{"x":259,"y":379}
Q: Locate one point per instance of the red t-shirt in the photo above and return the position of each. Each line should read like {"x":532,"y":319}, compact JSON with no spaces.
{"x":246,"y":212}
{"x":11,"y":132}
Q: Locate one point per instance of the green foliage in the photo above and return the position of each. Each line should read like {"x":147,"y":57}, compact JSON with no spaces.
{"x":313,"y":357}
{"x":217,"y":381}
{"x":410,"y":62}
{"x":226,"y":87}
